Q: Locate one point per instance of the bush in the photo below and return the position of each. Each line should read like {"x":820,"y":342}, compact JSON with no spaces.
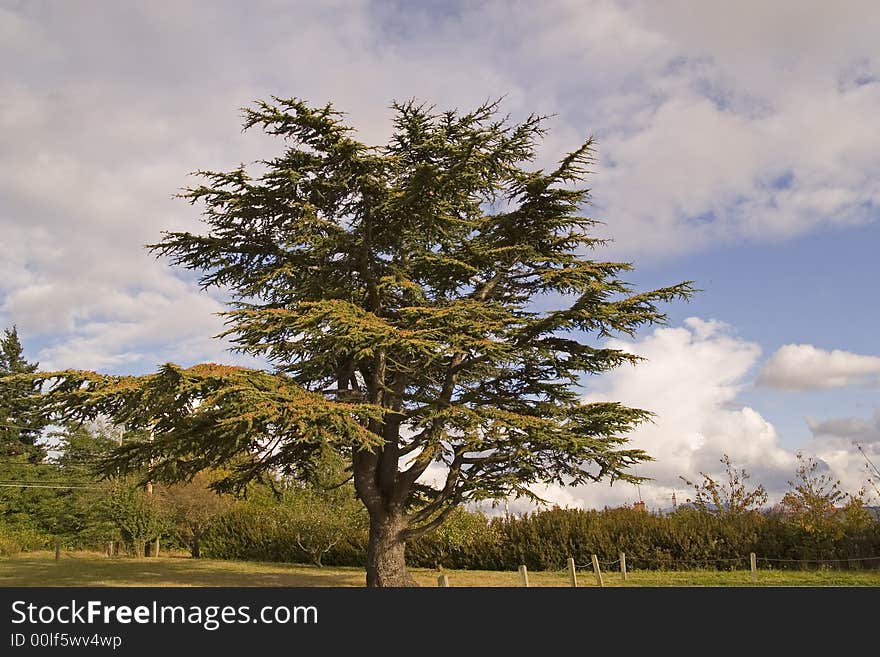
{"x":464,"y":541}
{"x":14,"y":540}
{"x":544,"y":540}
{"x":298,"y":527}
{"x":9,"y":547}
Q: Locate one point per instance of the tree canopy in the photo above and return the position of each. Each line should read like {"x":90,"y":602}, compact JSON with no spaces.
{"x":433,"y":301}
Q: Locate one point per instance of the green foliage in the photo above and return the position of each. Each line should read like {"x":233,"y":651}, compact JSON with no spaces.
{"x":316,"y":519}
{"x":60,"y":496}
{"x":292,"y":528}
{"x":464,"y":540}
{"x":261,"y":424}
{"x":22,"y":538}
{"x":9,"y":547}
{"x":685,"y":540}
{"x":318,"y":527}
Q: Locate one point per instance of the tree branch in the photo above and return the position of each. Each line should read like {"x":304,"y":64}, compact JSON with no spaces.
{"x":445,"y":493}
{"x":415,"y":532}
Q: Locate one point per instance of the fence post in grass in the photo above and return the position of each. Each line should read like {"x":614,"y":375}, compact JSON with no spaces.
{"x":57,"y":549}
{"x":443,"y":581}
{"x":623,"y":565}
{"x":597,"y":571}
{"x":524,"y":574}
{"x":572,"y":573}
{"x":753,"y":562}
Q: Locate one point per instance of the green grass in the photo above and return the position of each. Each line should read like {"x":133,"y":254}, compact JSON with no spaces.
{"x":88,"y":569}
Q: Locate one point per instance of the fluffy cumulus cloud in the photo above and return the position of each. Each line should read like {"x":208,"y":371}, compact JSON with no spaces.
{"x":805,"y":367}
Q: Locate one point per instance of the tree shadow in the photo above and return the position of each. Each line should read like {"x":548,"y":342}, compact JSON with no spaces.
{"x":173,"y":571}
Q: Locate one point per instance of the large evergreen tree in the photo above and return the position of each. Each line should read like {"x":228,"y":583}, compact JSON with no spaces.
{"x":430,"y":302}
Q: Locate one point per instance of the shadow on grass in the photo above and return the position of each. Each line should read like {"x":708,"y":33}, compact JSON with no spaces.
{"x":79,"y":570}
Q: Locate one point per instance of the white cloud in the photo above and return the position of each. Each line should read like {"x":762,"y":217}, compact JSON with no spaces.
{"x":690,"y":380}
{"x":805,"y":367}
{"x":716,"y":124}
{"x":855,"y":429}
{"x":748,"y":135}
{"x":836,"y":441}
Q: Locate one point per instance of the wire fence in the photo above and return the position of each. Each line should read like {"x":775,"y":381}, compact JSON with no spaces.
{"x":602,"y":569}
{"x":635,"y":562}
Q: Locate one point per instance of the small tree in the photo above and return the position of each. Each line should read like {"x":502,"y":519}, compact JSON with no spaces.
{"x":728,"y":497}
{"x":813,"y":503}
{"x":322,"y":510}
{"x":190,"y":507}
{"x":135,"y":515}
{"x":424,"y":302}
{"x":317,"y":524}
{"x":855,"y":515}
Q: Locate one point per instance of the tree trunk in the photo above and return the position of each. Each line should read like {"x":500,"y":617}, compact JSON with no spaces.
{"x":385,"y":552}
{"x":195,"y":548}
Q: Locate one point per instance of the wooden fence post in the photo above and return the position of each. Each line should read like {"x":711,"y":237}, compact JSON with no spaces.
{"x":443,"y":581}
{"x":623,"y":565}
{"x":753,"y":563}
{"x":524,"y":574}
{"x":597,"y":571}
{"x":572,"y":573}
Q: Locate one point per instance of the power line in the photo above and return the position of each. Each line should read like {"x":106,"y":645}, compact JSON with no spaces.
{"x":40,"y":481}
{"x":48,"y":486}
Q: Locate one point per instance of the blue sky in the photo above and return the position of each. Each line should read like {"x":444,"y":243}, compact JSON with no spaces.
{"x":818,"y":289}
{"x":737,"y":146}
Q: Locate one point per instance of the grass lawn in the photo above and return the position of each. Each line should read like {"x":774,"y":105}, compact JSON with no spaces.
{"x":88,"y":569}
